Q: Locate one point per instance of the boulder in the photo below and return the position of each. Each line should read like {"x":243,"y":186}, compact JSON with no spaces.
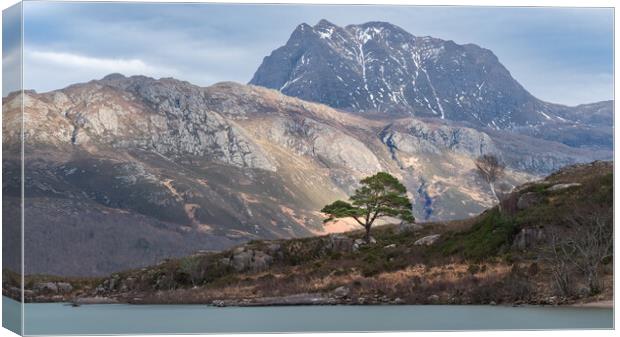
{"x":427,"y":240}
{"x":46,"y":287}
{"x":15,"y":292}
{"x":112,"y":283}
{"x":95,"y":300}
{"x":583,"y":292}
{"x":405,"y":227}
{"x":218,"y":303}
{"x":274,"y":249}
{"x":559,"y":187}
{"x":553,"y":300}
{"x":253,"y":260}
{"x":433,"y":298}
{"x":341,"y":292}
{"x":361,"y":242}
{"x":390,"y":246}
{"x":527,"y":200}
{"x":241,"y":260}
{"x":129,"y":283}
{"x":358,"y":243}
{"x":398,"y":300}
{"x":64,"y":287}
{"x":340,"y":243}
{"x":528,"y":237}
{"x":261,"y":261}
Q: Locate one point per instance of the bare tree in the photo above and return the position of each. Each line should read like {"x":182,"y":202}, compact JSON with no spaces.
{"x":582,"y":247}
{"x":490,"y":169}
{"x":591,"y":243}
{"x":556,"y":256}
{"x":191,"y":266}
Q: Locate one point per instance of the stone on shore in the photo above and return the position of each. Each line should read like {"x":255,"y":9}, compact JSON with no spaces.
{"x":427,"y":240}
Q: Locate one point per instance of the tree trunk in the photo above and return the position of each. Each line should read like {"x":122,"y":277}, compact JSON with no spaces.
{"x":367,"y":234}
{"x":593,"y":282}
{"x":499,"y":202}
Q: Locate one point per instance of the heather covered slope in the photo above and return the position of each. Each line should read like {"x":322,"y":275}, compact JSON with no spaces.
{"x":497,"y":257}
{"x":124,"y":171}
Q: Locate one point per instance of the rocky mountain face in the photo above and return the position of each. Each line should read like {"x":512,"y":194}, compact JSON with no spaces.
{"x":378,"y":68}
{"x":125,"y":171}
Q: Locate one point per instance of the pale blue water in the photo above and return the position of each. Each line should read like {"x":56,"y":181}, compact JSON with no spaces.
{"x":56,"y":318}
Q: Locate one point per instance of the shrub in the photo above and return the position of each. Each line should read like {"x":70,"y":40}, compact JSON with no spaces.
{"x":483,"y":240}
{"x":473,"y":269}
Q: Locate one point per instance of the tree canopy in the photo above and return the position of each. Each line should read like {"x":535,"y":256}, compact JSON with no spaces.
{"x":378,"y":196}
{"x":490,"y":168}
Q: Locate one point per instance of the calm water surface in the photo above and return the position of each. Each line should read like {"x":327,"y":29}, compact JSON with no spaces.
{"x":56,"y":318}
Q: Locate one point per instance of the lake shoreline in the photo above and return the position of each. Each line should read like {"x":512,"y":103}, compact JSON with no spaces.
{"x":321,"y":300}
{"x":302,"y":300}
{"x":63,"y":319}
{"x":605,"y":304}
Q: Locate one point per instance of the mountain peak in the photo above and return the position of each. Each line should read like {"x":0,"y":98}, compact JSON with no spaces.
{"x":377,"y":24}
{"x":302,"y":28}
{"x":399,"y":74}
{"x":324,"y":23}
{"x":114,"y":76}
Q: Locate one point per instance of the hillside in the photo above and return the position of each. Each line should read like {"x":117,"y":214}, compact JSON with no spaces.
{"x":125,"y":171}
{"x":498,"y":257}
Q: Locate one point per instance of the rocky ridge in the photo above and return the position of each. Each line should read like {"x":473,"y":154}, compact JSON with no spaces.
{"x":206,"y":168}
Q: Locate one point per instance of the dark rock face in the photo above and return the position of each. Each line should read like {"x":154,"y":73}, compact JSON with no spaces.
{"x":248,"y":259}
{"x":427,"y":240}
{"x":378,"y":68}
{"x":415,"y":136}
{"x":340,"y":243}
{"x":527,"y":200}
{"x":528,"y":237}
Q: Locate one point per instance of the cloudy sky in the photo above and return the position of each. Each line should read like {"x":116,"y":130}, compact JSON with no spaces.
{"x":561,"y":55}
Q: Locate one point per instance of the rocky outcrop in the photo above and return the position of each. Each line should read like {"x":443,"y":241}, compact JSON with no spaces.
{"x":560,"y":187}
{"x":52,"y":288}
{"x":94,"y":300}
{"x":528,"y":237}
{"x":330,"y":146}
{"x":427,"y":240}
{"x":433,"y":298}
{"x":407,"y":227}
{"x":527,"y":200}
{"x":341,"y":292}
{"x":297,"y":299}
{"x":416,"y":137}
{"x":244,"y":259}
{"x":340,"y":243}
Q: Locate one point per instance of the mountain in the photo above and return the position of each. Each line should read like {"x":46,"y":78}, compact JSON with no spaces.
{"x":377,"y":68}
{"x":125,"y":171}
